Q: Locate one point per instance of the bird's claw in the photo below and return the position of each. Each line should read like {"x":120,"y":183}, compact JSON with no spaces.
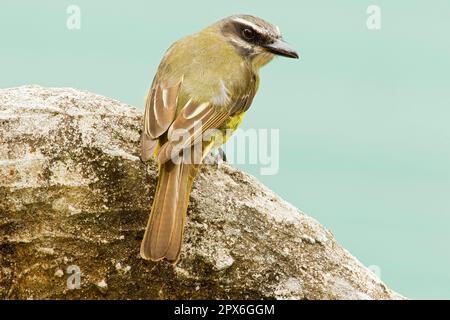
{"x":216,"y":158}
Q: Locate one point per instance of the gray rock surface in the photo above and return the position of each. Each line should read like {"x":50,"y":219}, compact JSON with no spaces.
{"x":74,"y":200}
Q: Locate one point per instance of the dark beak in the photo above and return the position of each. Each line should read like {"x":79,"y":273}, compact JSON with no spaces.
{"x":281,"y":48}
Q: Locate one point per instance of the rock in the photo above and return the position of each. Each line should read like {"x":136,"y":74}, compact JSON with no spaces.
{"x":75,"y":196}
{"x":59,"y":273}
{"x":102,"y":286}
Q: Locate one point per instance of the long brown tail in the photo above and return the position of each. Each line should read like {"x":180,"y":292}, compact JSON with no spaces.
{"x":164,"y":233}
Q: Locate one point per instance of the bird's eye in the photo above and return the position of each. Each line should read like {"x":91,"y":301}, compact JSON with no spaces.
{"x":248,"y":34}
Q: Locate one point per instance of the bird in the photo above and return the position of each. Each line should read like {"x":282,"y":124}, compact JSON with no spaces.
{"x":205,"y":82}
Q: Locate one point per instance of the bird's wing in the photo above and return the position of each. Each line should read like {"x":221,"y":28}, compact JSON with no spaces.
{"x":160,"y":110}
{"x":189,"y":127}
{"x":186,"y":127}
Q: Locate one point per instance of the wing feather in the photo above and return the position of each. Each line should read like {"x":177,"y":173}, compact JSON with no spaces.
{"x":160,"y":110}
{"x":189,"y":126}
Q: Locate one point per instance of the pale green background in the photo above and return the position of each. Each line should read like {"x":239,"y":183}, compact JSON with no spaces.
{"x":363,"y":115}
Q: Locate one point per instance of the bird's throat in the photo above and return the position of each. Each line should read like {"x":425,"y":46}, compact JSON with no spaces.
{"x":261,"y":59}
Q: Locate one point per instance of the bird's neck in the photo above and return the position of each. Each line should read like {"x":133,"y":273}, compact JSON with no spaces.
{"x":260,"y":60}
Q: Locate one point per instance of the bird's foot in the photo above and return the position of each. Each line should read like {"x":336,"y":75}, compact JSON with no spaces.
{"x":216,"y":158}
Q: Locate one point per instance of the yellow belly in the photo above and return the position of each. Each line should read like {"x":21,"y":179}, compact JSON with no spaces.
{"x":232,"y":125}
{"x":226,"y":131}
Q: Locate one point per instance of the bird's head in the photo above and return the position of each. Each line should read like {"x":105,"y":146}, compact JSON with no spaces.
{"x":255,"y":39}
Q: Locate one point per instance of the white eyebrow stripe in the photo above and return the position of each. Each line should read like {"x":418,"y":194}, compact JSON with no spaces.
{"x":250,"y":24}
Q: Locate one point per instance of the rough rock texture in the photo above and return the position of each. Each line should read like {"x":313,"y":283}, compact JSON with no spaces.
{"x":75,"y":196}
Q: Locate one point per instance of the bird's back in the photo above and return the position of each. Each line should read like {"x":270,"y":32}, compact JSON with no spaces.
{"x":211,"y":69}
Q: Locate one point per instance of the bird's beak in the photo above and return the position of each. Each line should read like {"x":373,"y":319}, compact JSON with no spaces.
{"x":281,"y":48}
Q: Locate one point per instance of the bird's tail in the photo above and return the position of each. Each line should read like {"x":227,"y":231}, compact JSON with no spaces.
{"x":164,"y":233}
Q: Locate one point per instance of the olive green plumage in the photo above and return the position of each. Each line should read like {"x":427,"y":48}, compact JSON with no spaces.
{"x":208,"y":78}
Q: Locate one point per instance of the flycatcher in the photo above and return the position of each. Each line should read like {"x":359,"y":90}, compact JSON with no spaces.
{"x":204,"y":85}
